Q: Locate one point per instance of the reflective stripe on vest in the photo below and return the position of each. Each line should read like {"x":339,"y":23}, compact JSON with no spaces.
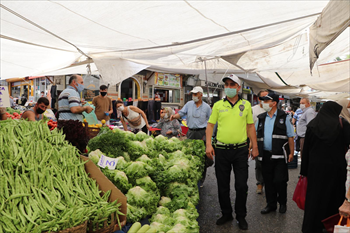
{"x":279,"y":136}
{"x":260,"y":139}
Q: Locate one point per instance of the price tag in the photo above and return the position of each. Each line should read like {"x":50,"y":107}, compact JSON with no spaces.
{"x":4,"y":97}
{"x":106,"y":161}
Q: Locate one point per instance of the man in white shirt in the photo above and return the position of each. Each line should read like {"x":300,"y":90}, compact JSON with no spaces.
{"x":257,"y":110}
{"x":308,"y":114}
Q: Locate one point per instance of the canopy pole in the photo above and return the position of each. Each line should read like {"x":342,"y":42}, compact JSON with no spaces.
{"x":206,"y":79}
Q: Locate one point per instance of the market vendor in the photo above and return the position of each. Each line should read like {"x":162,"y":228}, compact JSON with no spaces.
{"x":36,"y":113}
{"x":3,"y":113}
{"x":168,"y":128}
{"x":103,"y":105}
{"x":69,"y":104}
{"x":134,"y":116}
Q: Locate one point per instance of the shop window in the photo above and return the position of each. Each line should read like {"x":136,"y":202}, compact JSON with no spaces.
{"x":168,"y":96}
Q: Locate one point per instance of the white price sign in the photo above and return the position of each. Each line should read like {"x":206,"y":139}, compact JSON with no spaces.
{"x":4,"y":97}
{"x":106,"y":161}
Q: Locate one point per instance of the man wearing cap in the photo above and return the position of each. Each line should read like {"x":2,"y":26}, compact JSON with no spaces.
{"x":235,"y":122}
{"x":276,"y":147}
{"x":257,"y":110}
{"x":198,"y":113}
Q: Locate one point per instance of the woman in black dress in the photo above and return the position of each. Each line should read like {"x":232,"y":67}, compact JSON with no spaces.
{"x":324,"y":165}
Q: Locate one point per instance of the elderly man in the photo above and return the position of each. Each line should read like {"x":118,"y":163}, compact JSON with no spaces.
{"x":69,"y":105}
{"x":257,"y":110}
{"x":235,"y":122}
{"x":198,"y":113}
{"x":274,"y":131}
{"x":308,"y":114}
{"x":36,"y":113}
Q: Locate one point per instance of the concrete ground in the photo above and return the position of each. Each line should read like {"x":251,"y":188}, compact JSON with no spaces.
{"x":209,"y":208}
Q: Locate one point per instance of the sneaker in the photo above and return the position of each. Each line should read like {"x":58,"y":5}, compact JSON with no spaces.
{"x":242,"y":223}
{"x":224,"y":219}
{"x":259,"y":189}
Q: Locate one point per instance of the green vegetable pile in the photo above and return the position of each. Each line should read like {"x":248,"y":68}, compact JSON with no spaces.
{"x":158,"y":175}
{"x":44,"y":186}
{"x":11,"y":110}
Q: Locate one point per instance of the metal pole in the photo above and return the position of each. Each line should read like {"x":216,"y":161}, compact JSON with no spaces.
{"x":206,"y":79}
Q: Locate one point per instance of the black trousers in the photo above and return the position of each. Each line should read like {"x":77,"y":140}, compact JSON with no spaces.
{"x":275,"y":174}
{"x":225,"y":161}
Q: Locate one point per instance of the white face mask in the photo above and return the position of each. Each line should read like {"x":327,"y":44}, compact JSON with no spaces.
{"x":166,"y":116}
{"x":121,"y":108}
{"x":302,"y":106}
{"x":195,"y":99}
{"x":266,"y":107}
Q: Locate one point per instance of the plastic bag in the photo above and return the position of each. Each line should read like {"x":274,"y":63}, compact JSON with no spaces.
{"x":300,"y":192}
{"x":90,"y":117}
{"x":330,"y":222}
{"x":49,"y":114}
{"x":342,"y":229}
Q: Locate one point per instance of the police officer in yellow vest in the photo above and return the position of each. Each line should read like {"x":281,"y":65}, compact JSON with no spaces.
{"x":274,"y":132}
{"x":235,"y":122}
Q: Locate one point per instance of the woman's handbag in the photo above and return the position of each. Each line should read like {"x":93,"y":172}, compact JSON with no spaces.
{"x":300,"y":192}
{"x":134,"y":122}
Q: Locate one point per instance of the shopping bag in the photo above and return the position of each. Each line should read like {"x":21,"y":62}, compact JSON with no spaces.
{"x":300,"y":192}
{"x":342,"y":229}
{"x":332,"y":221}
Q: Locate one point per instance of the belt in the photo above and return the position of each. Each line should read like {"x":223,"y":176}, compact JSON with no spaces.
{"x":198,"y":129}
{"x":220,"y":145}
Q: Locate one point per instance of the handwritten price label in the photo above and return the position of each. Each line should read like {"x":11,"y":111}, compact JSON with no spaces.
{"x":106,"y":161}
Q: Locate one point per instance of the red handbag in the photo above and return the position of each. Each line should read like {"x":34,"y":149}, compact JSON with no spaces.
{"x":300,"y":192}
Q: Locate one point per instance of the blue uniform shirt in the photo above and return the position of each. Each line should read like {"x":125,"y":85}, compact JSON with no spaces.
{"x":268,"y":129}
{"x":197,"y":118}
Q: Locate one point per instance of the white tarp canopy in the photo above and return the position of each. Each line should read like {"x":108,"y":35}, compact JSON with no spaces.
{"x":253,"y":39}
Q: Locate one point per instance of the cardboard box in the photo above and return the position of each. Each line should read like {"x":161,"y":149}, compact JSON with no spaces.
{"x":105,"y":184}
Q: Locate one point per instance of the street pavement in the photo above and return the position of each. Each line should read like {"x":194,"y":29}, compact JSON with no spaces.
{"x":209,"y":208}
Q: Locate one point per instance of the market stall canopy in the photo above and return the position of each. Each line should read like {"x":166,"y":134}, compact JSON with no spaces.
{"x":255,"y":39}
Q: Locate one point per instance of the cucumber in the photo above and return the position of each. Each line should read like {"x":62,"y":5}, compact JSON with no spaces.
{"x":135,"y":227}
{"x":144,"y":228}
{"x":151,"y":230}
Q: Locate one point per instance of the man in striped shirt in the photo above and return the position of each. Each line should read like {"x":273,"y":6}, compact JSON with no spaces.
{"x":69,"y":104}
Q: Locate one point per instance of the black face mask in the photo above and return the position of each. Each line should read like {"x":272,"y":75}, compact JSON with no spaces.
{"x":39,"y":111}
{"x":103,"y":93}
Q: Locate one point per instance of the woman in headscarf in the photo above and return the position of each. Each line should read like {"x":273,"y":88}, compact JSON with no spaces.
{"x":345,"y":114}
{"x":168,"y":128}
{"x":324,"y":165}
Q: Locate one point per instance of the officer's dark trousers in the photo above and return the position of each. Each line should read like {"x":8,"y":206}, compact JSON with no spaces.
{"x":275,"y":174}
{"x":225,"y":160}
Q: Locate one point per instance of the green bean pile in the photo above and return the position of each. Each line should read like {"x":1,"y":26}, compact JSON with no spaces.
{"x":43,"y":183}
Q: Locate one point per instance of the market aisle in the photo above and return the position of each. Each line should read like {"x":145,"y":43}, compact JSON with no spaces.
{"x":209,"y":209}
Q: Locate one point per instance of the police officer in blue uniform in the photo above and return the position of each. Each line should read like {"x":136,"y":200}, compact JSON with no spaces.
{"x":276,"y":147}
